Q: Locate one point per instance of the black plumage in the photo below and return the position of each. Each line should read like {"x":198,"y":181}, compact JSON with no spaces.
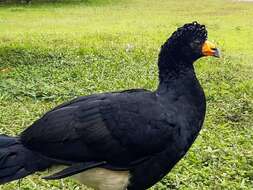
{"x":140,"y":131}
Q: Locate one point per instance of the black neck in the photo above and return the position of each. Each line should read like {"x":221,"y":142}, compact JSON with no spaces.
{"x":171,"y":66}
{"x":178,"y":79}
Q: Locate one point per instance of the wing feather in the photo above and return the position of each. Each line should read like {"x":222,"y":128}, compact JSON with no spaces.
{"x":119,"y":128}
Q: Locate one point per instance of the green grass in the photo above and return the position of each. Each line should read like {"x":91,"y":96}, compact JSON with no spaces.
{"x":53,"y":52}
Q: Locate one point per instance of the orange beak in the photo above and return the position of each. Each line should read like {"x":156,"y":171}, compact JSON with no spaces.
{"x":209,"y":49}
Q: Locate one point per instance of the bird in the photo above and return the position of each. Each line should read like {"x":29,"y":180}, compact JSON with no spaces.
{"x":124,"y":140}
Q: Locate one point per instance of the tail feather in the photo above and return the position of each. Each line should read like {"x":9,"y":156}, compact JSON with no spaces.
{"x":16,"y":161}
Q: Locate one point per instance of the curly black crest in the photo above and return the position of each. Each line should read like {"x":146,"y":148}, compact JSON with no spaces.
{"x":186,"y":41}
{"x":189,"y":32}
{"x":182,"y":48}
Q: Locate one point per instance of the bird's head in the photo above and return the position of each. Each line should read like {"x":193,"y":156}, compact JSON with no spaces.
{"x":190,"y":43}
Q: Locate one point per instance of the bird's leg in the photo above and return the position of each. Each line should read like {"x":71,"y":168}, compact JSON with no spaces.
{"x":61,"y":184}
{"x":19,"y":184}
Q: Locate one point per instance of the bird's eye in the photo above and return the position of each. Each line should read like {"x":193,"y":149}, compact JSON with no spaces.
{"x":197,"y":41}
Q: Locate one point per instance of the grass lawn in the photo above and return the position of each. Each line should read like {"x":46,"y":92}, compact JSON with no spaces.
{"x":53,"y":52}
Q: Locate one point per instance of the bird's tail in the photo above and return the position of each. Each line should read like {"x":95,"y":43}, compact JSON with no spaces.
{"x":16,"y":161}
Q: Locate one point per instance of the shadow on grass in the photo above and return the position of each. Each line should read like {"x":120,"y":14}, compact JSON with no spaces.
{"x":37,"y":3}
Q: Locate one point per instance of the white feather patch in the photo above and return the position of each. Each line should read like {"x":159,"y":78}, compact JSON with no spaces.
{"x":104,"y":179}
{"x":100,"y":178}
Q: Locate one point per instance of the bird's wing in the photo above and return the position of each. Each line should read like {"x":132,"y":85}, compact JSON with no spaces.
{"x":119,"y":129}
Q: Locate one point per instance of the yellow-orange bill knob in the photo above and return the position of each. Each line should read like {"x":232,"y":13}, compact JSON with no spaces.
{"x":209,"y":49}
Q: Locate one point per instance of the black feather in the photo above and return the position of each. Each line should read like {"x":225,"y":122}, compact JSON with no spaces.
{"x":16,"y":161}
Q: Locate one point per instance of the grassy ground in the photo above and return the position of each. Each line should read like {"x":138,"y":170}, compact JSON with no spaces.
{"x":53,"y":52}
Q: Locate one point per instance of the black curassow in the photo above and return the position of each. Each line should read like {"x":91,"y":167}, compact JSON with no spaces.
{"x":120,"y":140}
